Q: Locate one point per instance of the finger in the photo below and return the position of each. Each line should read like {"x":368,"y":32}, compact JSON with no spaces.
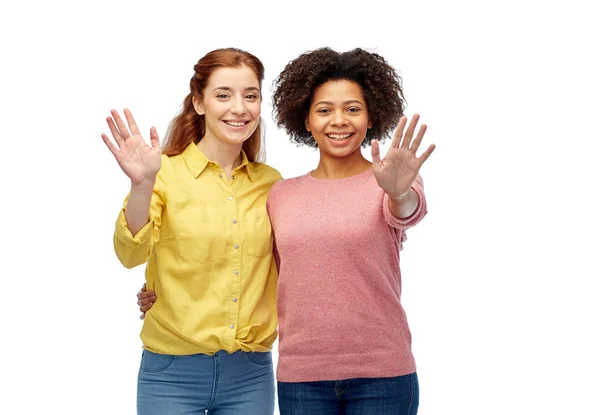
{"x":143,"y":287}
{"x":417,"y":142}
{"x":146,"y":300}
{"x":146,"y":307}
{"x":110,"y":145}
{"x":147,"y":296}
{"x":426,"y":155}
{"x":403,"y":238}
{"x":398,"y":133}
{"x":146,"y":293}
{"x":131,"y":121}
{"x":114,"y":131}
{"x":410,"y":131}
{"x":142,"y":316}
{"x":154,"y":139}
{"x":375,"y":151}
{"x":120,"y":125}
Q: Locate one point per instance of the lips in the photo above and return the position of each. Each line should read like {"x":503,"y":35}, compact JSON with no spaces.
{"x":236,"y":123}
{"x":339,"y":136}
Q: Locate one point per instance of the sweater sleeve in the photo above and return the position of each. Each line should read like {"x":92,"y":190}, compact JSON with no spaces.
{"x":270,"y":202}
{"x":418,"y":214}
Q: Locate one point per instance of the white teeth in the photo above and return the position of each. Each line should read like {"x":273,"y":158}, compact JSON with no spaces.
{"x":338,"y":136}
{"x":234,"y":124}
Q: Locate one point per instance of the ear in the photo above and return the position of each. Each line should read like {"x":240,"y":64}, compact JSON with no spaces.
{"x":306,"y":124}
{"x":198,"y":106}
{"x":370,"y":124}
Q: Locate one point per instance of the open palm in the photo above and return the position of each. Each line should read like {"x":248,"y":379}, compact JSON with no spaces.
{"x":139,"y":161}
{"x":396,"y":172}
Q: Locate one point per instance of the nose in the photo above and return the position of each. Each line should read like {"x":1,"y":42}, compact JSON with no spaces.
{"x":339,"y":119}
{"x":237,"y":106}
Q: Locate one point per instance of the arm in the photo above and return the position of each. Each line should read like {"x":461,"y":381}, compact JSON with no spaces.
{"x":141,"y":163}
{"x":135,"y":249}
{"x":398,"y":172}
{"x":138,"y":207}
{"x":404,"y":205}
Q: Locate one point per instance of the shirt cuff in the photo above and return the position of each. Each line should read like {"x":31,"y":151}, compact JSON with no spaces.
{"x":124,"y":235}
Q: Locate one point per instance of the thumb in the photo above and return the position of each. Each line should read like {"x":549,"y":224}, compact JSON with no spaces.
{"x":154,"y":139}
{"x":375,"y":151}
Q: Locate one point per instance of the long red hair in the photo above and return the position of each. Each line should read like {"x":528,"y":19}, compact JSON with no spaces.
{"x":188,"y":126}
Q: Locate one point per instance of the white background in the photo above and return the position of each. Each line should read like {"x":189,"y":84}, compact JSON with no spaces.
{"x":500,"y":279}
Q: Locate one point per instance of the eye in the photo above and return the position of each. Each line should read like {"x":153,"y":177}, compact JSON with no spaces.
{"x":222,"y":96}
{"x":252,"y":96}
{"x":323,"y":110}
{"x":354,"y":109}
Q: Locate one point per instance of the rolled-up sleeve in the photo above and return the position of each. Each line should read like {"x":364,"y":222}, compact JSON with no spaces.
{"x":133,"y":250}
{"x":418,"y":214}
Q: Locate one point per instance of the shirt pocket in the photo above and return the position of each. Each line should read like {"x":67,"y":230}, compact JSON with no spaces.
{"x":201,"y":233}
{"x":258,"y":233}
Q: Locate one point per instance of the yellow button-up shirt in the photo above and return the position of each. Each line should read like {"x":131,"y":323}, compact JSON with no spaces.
{"x":209,"y":253}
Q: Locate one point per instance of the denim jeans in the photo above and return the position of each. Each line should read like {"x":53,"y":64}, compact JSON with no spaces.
{"x":222,"y":384}
{"x":365,"y":396}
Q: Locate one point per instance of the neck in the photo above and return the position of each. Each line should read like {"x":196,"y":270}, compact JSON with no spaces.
{"x":226,"y":155}
{"x":340,"y":167}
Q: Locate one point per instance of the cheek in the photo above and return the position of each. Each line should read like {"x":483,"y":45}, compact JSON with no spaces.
{"x":364,"y":125}
{"x":254,"y":110}
{"x":317,"y":124}
{"x":215,"y":111}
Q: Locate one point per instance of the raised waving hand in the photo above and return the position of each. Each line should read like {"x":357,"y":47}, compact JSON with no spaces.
{"x":396,"y":172}
{"x":139,"y":161}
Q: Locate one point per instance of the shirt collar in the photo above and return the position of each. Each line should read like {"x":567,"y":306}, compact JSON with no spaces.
{"x":248,"y":165}
{"x":197,"y":161}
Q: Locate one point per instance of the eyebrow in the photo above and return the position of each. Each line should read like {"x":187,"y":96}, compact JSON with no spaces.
{"x":226,"y":88}
{"x":352,"y":101}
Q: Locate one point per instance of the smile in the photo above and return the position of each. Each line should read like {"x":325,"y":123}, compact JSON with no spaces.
{"x":339,"y":137}
{"x":236,"y":123}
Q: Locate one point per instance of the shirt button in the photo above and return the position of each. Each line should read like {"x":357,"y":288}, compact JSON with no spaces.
{"x":232,"y":177}
{"x":221,"y":175}
{"x":236,"y":246}
{"x":234,"y":221}
{"x":236,"y":272}
{"x":234,"y":299}
{"x":230,"y":198}
{"x":231,"y":326}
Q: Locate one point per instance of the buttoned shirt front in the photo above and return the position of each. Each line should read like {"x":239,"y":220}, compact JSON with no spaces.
{"x":208,"y":248}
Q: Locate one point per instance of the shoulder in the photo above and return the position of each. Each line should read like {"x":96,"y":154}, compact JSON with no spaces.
{"x":267,"y":172}
{"x":168,"y":162}
{"x":292,"y":185}
{"x":168,"y":165}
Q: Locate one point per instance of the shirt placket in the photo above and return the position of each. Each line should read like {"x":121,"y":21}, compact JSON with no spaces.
{"x":233,"y":270}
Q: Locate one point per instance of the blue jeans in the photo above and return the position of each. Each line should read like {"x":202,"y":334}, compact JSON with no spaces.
{"x":365,"y":396}
{"x":222,"y":384}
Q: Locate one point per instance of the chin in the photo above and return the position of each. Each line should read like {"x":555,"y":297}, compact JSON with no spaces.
{"x":340,"y":152}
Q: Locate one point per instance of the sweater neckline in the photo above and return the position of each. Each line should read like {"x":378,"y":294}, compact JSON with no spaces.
{"x":366,"y":173}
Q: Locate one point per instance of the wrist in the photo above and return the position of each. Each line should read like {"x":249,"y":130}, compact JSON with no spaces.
{"x":144,"y":185}
{"x":399,"y":198}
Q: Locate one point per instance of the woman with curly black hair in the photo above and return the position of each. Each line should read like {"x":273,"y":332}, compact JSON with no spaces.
{"x":344,"y":343}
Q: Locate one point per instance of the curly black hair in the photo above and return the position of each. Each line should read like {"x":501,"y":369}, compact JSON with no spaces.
{"x":295,"y":86}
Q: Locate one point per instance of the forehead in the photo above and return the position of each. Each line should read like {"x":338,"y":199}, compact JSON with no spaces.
{"x":339,"y":90}
{"x":236,"y":78}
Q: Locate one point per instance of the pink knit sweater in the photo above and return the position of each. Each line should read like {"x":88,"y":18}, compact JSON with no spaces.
{"x":338,"y":296}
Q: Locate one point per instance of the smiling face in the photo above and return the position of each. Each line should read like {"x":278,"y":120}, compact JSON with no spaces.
{"x":231,"y":105}
{"x":338,"y":118}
